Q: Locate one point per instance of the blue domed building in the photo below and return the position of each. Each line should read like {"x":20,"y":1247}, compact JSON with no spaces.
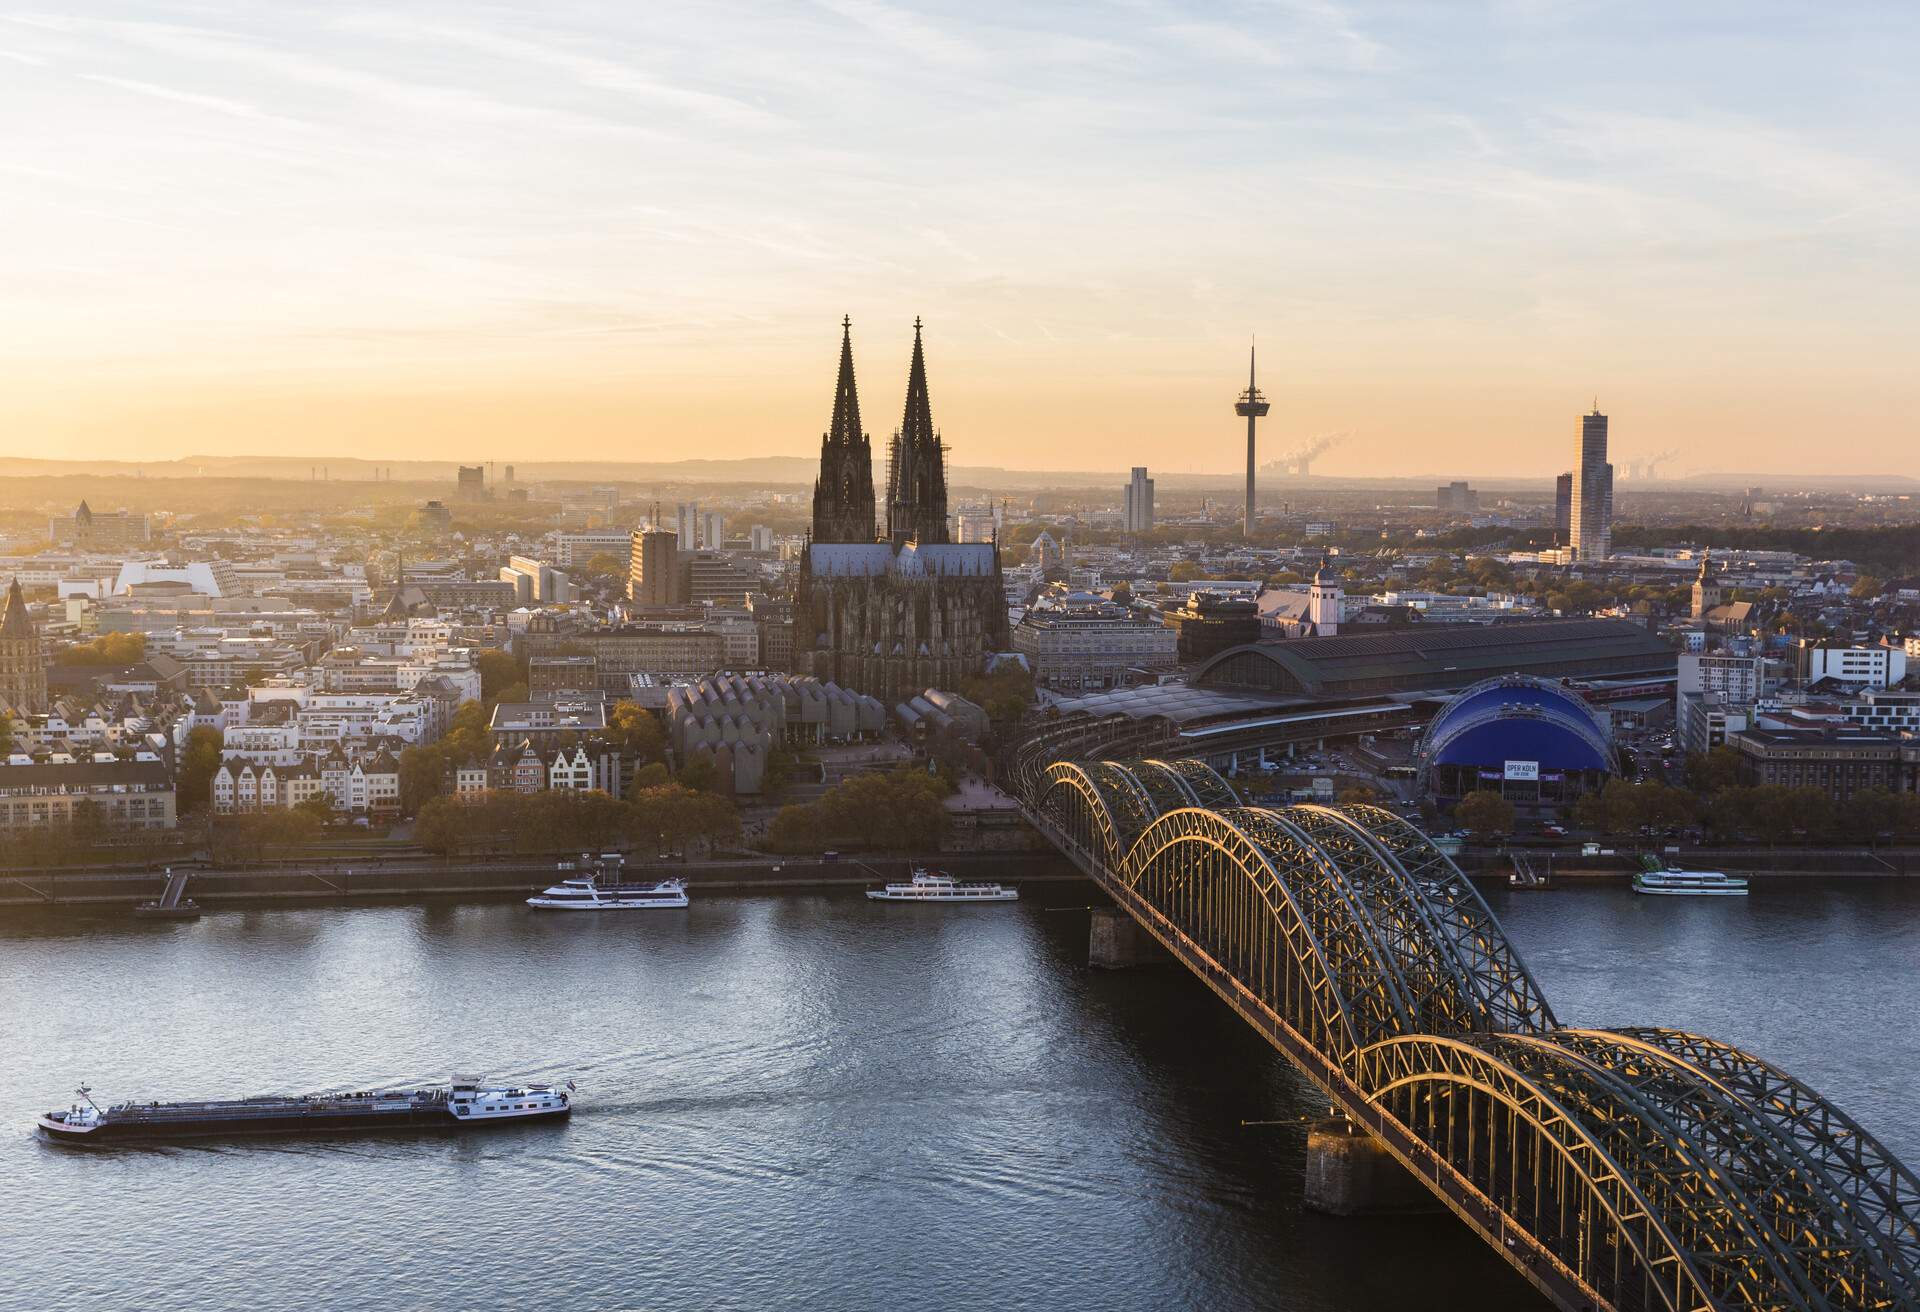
{"x":1537,"y":743}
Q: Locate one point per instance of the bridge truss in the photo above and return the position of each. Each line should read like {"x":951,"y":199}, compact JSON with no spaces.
{"x":1622,"y":1169}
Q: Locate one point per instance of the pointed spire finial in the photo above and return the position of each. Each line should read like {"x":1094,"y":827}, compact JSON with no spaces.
{"x":916,"y":327}
{"x":846,"y":325}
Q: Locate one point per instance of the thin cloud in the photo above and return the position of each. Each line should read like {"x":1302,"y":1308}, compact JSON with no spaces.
{"x":198,"y":100}
{"x":588,"y":70}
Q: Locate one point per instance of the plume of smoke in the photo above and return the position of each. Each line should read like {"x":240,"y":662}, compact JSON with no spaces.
{"x":1300,"y":460}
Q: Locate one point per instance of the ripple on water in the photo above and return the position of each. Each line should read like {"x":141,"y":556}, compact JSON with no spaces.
{"x":800,"y":1103}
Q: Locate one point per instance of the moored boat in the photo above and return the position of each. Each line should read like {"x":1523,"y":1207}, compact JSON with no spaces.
{"x":1657,"y":877}
{"x":589,"y":894}
{"x":461,"y":1104}
{"x":938,"y":886}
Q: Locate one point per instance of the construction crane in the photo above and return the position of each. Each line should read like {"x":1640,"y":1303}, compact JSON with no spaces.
{"x":1299,"y":461}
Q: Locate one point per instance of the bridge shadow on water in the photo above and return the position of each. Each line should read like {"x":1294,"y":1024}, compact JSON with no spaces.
{"x":1201,"y":1072}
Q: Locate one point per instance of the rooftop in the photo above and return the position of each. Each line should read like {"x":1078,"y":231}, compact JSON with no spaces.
{"x":1439,"y":657}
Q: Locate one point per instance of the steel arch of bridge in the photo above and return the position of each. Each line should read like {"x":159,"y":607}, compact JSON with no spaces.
{"x":1629,"y":1169}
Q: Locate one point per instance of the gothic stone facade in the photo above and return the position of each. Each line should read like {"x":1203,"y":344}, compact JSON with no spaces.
{"x":891,"y":617}
{"x":23,"y":663}
{"x":892,"y":621}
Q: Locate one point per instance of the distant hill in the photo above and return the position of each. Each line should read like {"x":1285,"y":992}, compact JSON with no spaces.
{"x":799,"y":471}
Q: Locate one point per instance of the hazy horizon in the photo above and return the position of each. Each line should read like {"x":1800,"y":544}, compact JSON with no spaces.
{"x":420,"y":232}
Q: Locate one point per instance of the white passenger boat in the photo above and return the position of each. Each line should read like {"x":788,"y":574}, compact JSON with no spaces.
{"x":589,"y":894}
{"x":1668,"y":882}
{"x":938,"y":886}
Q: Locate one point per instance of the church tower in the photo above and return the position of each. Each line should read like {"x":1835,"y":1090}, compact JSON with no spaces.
{"x":917,"y":465}
{"x":1707,"y":592}
{"x":23,"y":665}
{"x":843,"y":493}
{"x":1323,"y":600}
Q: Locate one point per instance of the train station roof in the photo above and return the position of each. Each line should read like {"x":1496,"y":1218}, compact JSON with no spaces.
{"x":1438,"y":658}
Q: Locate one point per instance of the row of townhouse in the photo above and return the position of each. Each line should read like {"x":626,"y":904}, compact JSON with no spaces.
{"x":524,"y":768}
{"x":362,"y":784}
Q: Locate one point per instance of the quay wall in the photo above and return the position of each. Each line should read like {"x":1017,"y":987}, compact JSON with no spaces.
{"x":350,"y":879}
{"x":509,"y":877}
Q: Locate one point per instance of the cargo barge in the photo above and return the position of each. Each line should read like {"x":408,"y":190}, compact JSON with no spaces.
{"x":459,"y":1105}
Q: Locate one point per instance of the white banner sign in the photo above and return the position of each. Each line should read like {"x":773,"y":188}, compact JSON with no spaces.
{"x":1523,"y":770}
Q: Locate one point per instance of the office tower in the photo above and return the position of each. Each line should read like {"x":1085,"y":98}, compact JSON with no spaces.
{"x":653,"y":576}
{"x":1591,"y":515}
{"x":687,"y":515}
{"x":760,"y":538}
{"x":713,"y":530}
{"x":1254,"y":407}
{"x":1139,"y":502}
{"x":472,"y":485}
{"x":1562,"y":509}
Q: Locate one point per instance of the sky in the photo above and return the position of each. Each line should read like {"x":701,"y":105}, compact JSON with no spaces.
{"x":595,"y":230}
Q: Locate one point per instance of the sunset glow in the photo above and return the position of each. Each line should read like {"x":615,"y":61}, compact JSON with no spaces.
{"x":631,"y":232}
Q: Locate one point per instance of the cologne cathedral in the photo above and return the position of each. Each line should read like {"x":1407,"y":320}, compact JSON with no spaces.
{"x":892,"y":613}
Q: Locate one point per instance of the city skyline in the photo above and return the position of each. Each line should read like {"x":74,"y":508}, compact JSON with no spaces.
{"x":246,"y":231}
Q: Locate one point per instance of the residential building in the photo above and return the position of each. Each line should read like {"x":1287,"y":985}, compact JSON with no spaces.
{"x":572,"y":551}
{"x":1886,"y":712}
{"x":1705,"y":720}
{"x":545,"y":726}
{"x":652,"y":647}
{"x":1876,"y":667}
{"x":557,"y":674}
{"x":1211,"y":622}
{"x":536,"y":582}
{"x":137,"y":794}
{"x":99,"y":530}
{"x":1736,"y":678}
{"x":654,"y":569}
{"x":1081,"y":642}
{"x":1839,"y":761}
{"x":775,"y":619}
{"x":467,"y":594}
{"x":435,"y":518}
{"x":713,"y":576}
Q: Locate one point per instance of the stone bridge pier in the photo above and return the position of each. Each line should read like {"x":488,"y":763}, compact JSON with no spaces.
{"x":1116,"y":941}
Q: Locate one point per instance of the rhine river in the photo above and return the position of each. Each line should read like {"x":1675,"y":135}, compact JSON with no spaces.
{"x":805,"y":1100}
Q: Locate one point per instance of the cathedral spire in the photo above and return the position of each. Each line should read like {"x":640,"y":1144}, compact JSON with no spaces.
{"x":17,"y":624}
{"x":846,"y":401}
{"x":843,"y":493}
{"x":917,"y":466}
{"x":23,"y":664}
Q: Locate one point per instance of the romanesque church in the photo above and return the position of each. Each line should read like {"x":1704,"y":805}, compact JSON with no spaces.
{"x":891,"y":614}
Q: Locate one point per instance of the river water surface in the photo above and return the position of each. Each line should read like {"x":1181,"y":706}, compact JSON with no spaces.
{"x":805,"y":1100}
